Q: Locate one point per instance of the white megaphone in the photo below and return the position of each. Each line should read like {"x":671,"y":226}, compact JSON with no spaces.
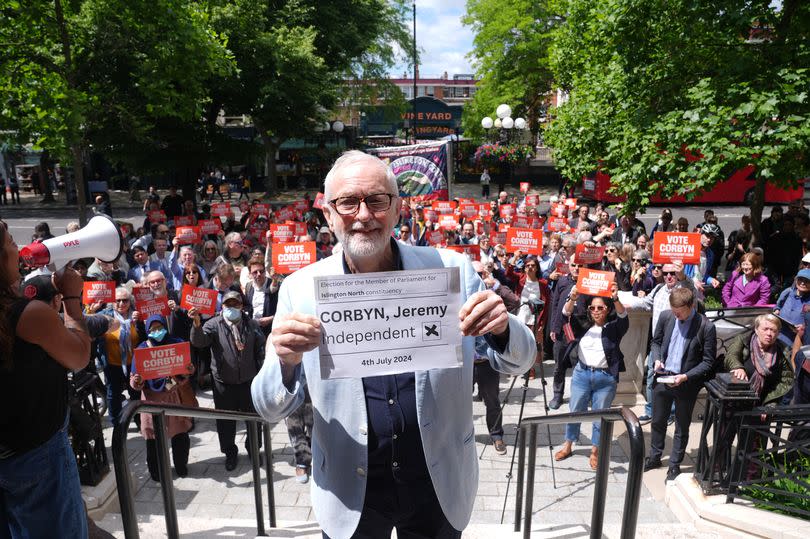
{"x":100,"y":238}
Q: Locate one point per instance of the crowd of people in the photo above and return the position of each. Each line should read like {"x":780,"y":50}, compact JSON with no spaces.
{"x":578,"y":332}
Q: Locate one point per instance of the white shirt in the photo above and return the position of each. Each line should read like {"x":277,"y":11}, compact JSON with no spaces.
{"x":591,"y":353}
{"x":258,"y":303}
{"x":531,"y":290}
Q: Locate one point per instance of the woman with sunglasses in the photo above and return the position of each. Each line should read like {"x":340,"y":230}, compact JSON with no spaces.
{"x":115,"y":351}
{"x":210,"y":253}
{"x":613,"y":262}
{"x":531,"y":288}
{"x":597,"y":359}
{"x":181,"y":326}
{"x":641,"y":280}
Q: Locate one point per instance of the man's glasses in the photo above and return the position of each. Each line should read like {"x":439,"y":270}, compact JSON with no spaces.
{"x":597,"y":308}
{"x":159,"y":281}
{"x":257,"y":272}
{"x":122,"y":300}
{"x":671,"y":273}
{"x":377,"y":202}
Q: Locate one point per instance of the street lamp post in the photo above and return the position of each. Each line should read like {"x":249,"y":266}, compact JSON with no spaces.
{"x":506,"y":125}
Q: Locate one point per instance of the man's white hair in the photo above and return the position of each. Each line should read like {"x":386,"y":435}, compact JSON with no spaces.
{"x":354,"y":157}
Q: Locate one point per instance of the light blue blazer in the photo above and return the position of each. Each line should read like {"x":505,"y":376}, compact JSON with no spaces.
{"x":340,"y":432}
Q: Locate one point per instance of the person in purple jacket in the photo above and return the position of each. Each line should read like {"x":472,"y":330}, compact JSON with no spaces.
{"x":747,"y":286}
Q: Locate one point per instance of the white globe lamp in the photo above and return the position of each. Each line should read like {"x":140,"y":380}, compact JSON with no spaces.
{"x":487,"y":123}
{"x":508,"y":123}
{"x":503,"y":111}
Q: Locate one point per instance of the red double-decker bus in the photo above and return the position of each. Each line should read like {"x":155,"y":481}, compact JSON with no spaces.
{"x":737,"y":189}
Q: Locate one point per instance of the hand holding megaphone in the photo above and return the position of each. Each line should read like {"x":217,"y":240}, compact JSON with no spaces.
{"x":100,"y":239}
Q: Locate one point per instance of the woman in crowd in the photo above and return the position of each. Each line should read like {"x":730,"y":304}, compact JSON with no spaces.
{"x":759,"y":358}
{"x":597,"y":360}
{"x":210,"y":254}
{"x":613,"y":262}
{"x":747,"y":286}
{"x":793,"y":302}
{"x":641,"y":280}
{"x":115,"y":351}
{"x":40,"y":495}
{"x":173,"y":390}
{"x":531,"y":289}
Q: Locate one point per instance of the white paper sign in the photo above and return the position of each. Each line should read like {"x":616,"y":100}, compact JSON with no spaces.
{"x":387,"y":323}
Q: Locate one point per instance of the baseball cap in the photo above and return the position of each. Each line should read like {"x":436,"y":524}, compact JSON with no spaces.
{"x":804,"y":274}
{"x":324,"y":230}
{"x":233,"y":294}
{"x":39,"y":287}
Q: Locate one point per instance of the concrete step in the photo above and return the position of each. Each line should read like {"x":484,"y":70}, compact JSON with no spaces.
{"x":154,"y":527}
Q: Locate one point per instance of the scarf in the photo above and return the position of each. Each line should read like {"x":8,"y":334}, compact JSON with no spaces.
{"x":238,"y":342}
{"x":124,"y":341}
{"x":763,"y":363}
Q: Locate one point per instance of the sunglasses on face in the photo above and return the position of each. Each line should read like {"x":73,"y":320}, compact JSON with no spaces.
{"x":610,"y":250}
{"x":192,"y":273}
{"x":575,"y":265}
{"x":802,"y":281}
{"x":122,"y":300}
{"x":659,"y":268}
{"x":670,"y":273}
{"x":597,"y":308}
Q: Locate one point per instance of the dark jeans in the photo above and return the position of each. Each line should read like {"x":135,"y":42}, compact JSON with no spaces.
{"x":488,"y":381}
{"x":116,"y":383}
{"x":561,"y":366}
{"x":181,"y":443}
{"x":234,"y":397}
{"x":389,"y":506}
{"x":663,"y":399}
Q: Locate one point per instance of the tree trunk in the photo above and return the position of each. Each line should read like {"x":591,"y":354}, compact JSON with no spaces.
{"x":271,"y":178}
{"x":757,"y":204}
{"x":78,"y":178}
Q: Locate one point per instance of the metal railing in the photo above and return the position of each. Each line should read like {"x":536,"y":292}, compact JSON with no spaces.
{"x":527,"y":437}
{"x":123,"y":477}
{"x":773,"y":447}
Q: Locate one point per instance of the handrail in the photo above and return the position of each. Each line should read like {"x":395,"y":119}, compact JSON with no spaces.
{"x":527,"y":436}
{"x":123,"y":477}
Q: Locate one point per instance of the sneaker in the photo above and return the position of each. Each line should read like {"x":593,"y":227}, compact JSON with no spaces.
{"x":673,"y":472}
{"x":645,"y":419}
{"x":230,"y":461}
{"x":500,"y":446}
{"x":651,"y":464}
{"x":302,"y":474}
{"x":555,"y":403}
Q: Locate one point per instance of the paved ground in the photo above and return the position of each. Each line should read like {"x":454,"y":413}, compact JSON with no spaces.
{"x":209,"y":492}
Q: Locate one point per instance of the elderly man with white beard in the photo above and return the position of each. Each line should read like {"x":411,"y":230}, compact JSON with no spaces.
{"x":393,"y":450}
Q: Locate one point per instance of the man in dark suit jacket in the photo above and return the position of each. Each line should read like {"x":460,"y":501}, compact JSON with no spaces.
{"x":684,"y":346}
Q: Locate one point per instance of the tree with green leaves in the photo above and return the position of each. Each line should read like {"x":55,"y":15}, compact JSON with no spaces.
{"x":510,"y":54}
{"x":294,"y":58}
{"x":672,"y":96}
{"x":105,"y":74}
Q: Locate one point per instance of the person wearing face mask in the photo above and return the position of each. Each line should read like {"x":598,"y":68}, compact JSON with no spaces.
{"x":171,"y":389}
{"x":237,"y":353}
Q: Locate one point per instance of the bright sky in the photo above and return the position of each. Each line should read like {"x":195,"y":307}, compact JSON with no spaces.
{"x":442,"y":40}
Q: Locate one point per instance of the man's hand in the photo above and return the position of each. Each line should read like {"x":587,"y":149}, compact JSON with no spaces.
{"x":484,"y":312}
{"x":679,"y":268}
{"x":265,"y":321}
{"x":679,"y":379}
{"x":194,"y":314}
{"x":294,"y":334}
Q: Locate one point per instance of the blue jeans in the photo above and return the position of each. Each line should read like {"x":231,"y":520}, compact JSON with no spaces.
{"x":40,"y":495}
{"x":595,"y":387}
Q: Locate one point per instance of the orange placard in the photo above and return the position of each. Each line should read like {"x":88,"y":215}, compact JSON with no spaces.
{"x":469,"y":211}
{"x":589,"y":254}
{"x":671,"y":246}
{"x":532,"y":200}
{"x":524,"y":221}
{"x":497,"y":237}
{"x":558,"y":210}
{"x":594,"y":283}
{"x":188,"y":234}
{"x":562,"y":268}
{"x":220,"y":209}
{"x":95,"y":291}
{"x":203,"y":299}
{"x":157,"y":216}
{"x":290,"y":257}
{"x":147,"y":304}
{"x":463,"y":200}
{"x":526,"y":240}
{"x":162,"y":361}
{"x":282,"y":233}
{"x":524,"y":187}
{"x":444,"y":206}
{"x":557,"y":224}
{"x":435,"y":237}
{"x":571,"y":203}
{"x":471,"y":250}
{"x":301,"y":205}
{"x":431,"y":215}
{"x":319,"y":201}
{"x":448,"y":222}
{"x":506,"y":210}
{"x":183,"y":220}
{"x":260,"y":208}
{"x":210,"y":226}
